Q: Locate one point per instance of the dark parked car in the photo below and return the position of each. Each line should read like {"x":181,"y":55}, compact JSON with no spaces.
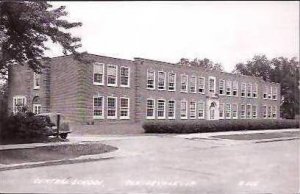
{"x":51,"y":119}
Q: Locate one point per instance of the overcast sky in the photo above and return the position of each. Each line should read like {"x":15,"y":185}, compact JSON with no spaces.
{"x":225,"y":32}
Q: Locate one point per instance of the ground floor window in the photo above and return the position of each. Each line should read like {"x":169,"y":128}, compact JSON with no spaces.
{"x":19,"y":103}
{"x":150,"y":109}
{"x":111,"y":107}
{"x":274,"y":112}
{"x":193,"y":110}
{"x":161,"y":107}
{"x":269,"y":111}
{"x":171,"y":109}
{"x":183,"y":109}
{"x":254,"y":112}
{"x":234,"y":111}
{"x":98,"y":107}
{"x":201,"y":110}
{"x":264,"y":111}
{"x":248,"y":110}
{"x":36,"y":108}
{"x":221,"y":111}
{"x":124,"y":108}
{"x":228,"y":111}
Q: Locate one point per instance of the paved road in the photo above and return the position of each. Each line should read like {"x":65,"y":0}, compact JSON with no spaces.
{"x":169,"y":164}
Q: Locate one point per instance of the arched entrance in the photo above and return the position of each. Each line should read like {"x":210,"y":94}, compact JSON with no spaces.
{"x":213,"y":110}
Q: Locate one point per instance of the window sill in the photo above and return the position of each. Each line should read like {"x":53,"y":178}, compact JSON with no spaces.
{"x":98,"y":117}
{"x":124,"y":86}
{"x":98,"y":84}
{"x":36,"y":88}
{"x":108,"y":85}
{"x":125,"y":118}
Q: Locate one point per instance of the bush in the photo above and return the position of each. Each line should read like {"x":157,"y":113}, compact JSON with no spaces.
{"x":201,"y":126}
{"x":23,"y":127}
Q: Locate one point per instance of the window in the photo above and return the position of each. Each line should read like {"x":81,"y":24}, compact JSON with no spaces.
{"x":274,"y":112}
{"x":269,"y":111}
{"x":111,"y":107}
{"x":183,"y":109}
{"x":36,"y":108}
{"x":171,"y":109}
{"x":235,"y":86}
{"x":270,"y":93}
{"x":98,"y":108}
{"x":221,"y":87}
{"x":124,"y":108}
{"x":243,"y":111}
{"x":184,"y":83}
{"x":150,"y":114}
{"x":161,"y":107}
{"x":254,"y":111}
{"x":112,"y":75}
{"x":98,"y":69}
{"x":228,"y":87}
{"x":124,"y":73}
{"x":228,"y":111}
{"x":161,"y":81}
{"x":212,"y":84}
{"x":151,"y":79}
{"x":274,"y":94}
{"x":221,"y":111}
{"x":19,"y":102}
{"x":264,"y":111}
{"x":243,"y":90}
{"x":248,"y":111}
{"x":172,"y":81}
{"x":234,"y":111}
{"x":193,"y":110}
{"x":201,"y":83}
{"x":36,"y":80}
{"x":201,"y":110}
{"x":266,"y":91}
{"x":249,"y":90}
{"x":254,"y":91}
{"x":193,"y":84}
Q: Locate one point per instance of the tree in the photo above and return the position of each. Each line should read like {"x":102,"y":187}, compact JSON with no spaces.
{"x":25,"y":27}
{"x":204,"y":63}
{"x":280,"y":70}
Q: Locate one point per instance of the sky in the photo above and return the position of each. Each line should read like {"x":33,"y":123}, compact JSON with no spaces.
{"x":224,"y":32}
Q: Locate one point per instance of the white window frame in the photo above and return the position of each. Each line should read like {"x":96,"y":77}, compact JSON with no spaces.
{"x":107,"y":67}
{"x":174,"y":86}
{"x":193,"y":77}
{"x":116,"y":108}
{"x":236,"y":111}
{"x":187,"y":83}
{"x":274,"y":93}
{"x":274,"y":112}
{"x":265,"y":93}
{"x":249,"y":92}
{"x":201,"y":103}
{"x":94,"y":72}
{"x":235,"y":88}
{"x":254,"y":116}
{"x":222,"y":111}
{"x":228,"y":87}
{"x":102,"y":108}
{"x":250,"y":117}
{"x":154,"y":79}
{"x":270,"y":93}
{"x":37,"y":107}
{"x":200,"y":86}
{"x":154,"y":112}
{"x":254,"y":90}
{"x":214,"y":86}
{"x":35,"y":76}
{"x":269,"y":111}
{"x":125,"y":108}
{"x":193,"y":113}
{"x":186,"y":109}
{"x":243,"y":111}
{"x":164,"y":110}
{"x":243,"y":90}
{"x":15,"y":99}
{"x":122,"y":85}
{"x":265,"y":113}
{"x":164,"y":80}
{"x":228,"y":111}
{"x":172,"y":110}
{"x":222,"y":87}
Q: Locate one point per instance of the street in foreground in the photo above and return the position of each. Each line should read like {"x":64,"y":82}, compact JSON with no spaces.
{"x":170,"y":164}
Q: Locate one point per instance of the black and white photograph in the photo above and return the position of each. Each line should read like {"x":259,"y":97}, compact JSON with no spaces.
{"x":149,"y":97}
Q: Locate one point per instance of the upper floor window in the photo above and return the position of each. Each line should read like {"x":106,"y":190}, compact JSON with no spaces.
{"x":274,"y":93}
{"x":249,"y":90}
{"x":161,"y":80}
{"x":151,"y":79}
{"x":221,"y":87}
{"x":172,"y":81}
{"x":212,"y":84}
{"x":150,"y":114}
{"x":183,"y":109}
{"x":112,"y":107}
{"x":98,"y":73}
{"x":193,"y":84}
{"x":235,"y":86}
{"x":36,"y":80}
{"x":112,"y":75}
{"x":184,"y":83}
{"x":201,"y":83}
{"x":254,"y":90}
{"x":234,"y":111}
{"x":270,"y":93}
{"x":171,"y":109}
{"x":124,"y":108}
{"x":98,"y":108}
{"x":228,"y":87}
{"x":19,"y":102}
{"x":161,"y":109}
{"x":266,"y":91}
{"x":125,"y":76}
{"x":243,"y":89}
{"x":201,"y":110}
{"x":193,"y":107}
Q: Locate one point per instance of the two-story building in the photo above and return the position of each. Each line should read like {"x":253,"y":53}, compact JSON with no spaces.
{"x":111,"y":90}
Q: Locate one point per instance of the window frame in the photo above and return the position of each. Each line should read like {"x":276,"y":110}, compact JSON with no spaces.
{"x":228,"y":87}
{"x":186,"y":109}
{"x":236,"y":111}
{"x":243,"y":88}
{"x":116,"y":108}
{"x":172,"y":90}
{"x":193,"y":77}
{"x":249,"y":92}
{"x":154,"y":106}
{"x":174,"y":109}
{"x":221,"y":111}
{"x":235,"y":89}
{"x":254,"y":116}
{"x":35,"y":76}
{"x":102,"y":108}
{"x":214,"y":86}
{"x":157,"y":110}
{"x":201,"y":110}
{"x":194,"y":111}
{"x":39,"y":108}
{"x":265,"y":111}
{"x":165,"y":80}
{"x":124,"y":108}
{"x":243,"y":111}
{"x":154,"y":79}
{"x":250,"y":111}
{"x":15,"y":99}
{"x":274,"y":93}
{"x":186,"y":85}
{"x":223,"y":87}
{"x":199,"y":84}
{"x":255,"y":85}
{"x":103,"y":73}
{"x":122,"y":85}
{"x":107,"y":67}
{"x":228,"y":111}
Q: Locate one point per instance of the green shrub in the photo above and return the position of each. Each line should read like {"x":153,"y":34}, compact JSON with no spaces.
{"x":201,"y":126}
{"x":23,"y":127}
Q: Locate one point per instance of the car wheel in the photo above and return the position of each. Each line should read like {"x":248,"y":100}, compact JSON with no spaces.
{"x":63,"y":135}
